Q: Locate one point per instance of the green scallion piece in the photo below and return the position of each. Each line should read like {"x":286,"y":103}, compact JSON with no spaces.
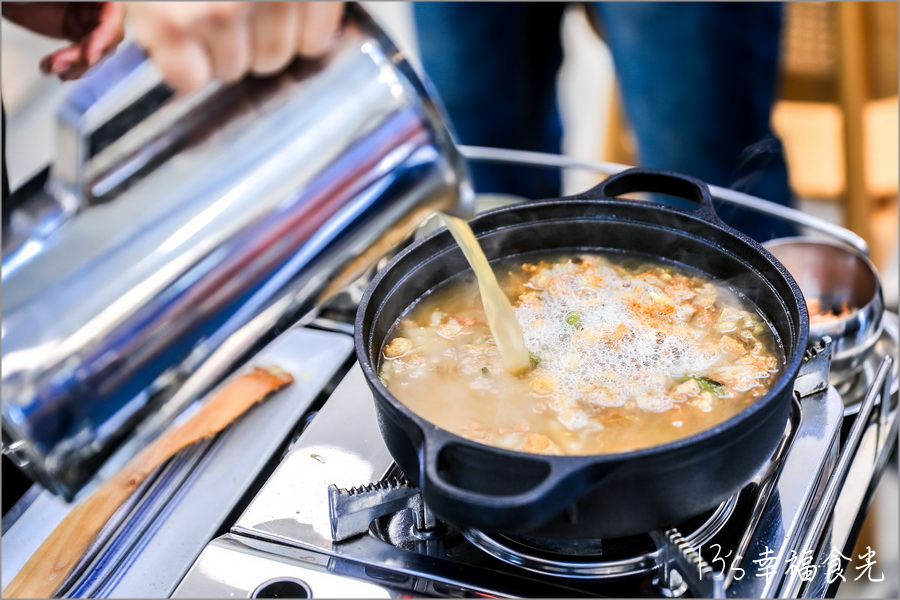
{"x":574,"y":319}
{"x":709,"y":385}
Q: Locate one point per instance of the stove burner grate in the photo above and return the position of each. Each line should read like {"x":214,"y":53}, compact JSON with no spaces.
{"x":609,"y":558}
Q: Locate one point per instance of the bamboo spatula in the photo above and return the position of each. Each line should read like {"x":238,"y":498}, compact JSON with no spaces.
{"x":48,"y":567}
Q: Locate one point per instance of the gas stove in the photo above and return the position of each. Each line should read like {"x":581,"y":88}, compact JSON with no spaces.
{"x":337,"y":517}
{"x":301,"y":498}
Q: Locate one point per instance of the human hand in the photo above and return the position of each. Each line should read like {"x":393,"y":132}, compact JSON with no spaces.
{"x":96,"y":28}
{"x":193,"y":43}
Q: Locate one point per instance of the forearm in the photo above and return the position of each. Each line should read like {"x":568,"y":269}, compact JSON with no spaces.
{"x":45,"y":18}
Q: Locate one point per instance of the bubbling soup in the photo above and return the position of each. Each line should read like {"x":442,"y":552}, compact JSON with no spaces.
{"x":627,"y":353}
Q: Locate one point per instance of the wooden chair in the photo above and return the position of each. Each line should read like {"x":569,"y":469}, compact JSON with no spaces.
{"x":845,"y":54}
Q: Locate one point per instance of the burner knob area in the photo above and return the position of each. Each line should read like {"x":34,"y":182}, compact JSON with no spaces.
{"x":287,"y":587}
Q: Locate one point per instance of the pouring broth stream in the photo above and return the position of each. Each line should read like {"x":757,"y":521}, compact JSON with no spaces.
{"x":500,"y":317}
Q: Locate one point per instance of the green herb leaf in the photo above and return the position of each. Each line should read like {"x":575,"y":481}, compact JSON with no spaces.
{"x":485,"y":371}
{"x":534,"y":358}
{"x":709,"y":385}
{"x":574,"y":319}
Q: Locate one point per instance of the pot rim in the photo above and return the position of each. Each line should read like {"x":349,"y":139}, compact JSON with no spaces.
{"x":791,"y":364}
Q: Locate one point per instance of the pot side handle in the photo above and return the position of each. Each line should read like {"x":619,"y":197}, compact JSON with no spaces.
{"x":460,"y":482}
{"x":659,"y":181}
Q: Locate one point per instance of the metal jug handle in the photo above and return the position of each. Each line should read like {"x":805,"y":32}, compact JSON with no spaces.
{"x":106,"y":118}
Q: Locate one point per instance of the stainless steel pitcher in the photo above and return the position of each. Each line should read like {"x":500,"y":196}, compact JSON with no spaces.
{"x":174,"y":234}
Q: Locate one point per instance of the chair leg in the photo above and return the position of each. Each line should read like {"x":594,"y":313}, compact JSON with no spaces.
{"x":853,"y":87}
{"x":619,"y":146}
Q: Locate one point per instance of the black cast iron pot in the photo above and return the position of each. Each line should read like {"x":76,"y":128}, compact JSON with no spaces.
{"x":604,"y":495}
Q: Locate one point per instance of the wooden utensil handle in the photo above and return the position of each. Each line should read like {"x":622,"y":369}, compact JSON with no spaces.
{"x":49,"y":566}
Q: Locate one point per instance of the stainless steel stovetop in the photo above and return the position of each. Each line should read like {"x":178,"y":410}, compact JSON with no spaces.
{"x":273,"y":534}
{"x":805,"y":502}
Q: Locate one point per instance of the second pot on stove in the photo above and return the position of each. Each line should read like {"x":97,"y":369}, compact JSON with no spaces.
{"x":604,"y":495}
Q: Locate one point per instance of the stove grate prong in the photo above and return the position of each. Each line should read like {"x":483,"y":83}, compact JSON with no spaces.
{"x":353,"y":509}
{"x":682,"y":568}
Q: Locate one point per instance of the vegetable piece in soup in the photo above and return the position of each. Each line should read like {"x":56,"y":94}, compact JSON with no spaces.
{"x":626,"y":354}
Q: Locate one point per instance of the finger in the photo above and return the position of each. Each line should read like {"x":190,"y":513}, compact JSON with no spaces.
{"x":319,"y":25}
{"x":109,"y":32}
{"x":185,"y":66}
{"x":62,"y":60}
{"x":274,"y":34}
{"x":46,"y":64}
{"x":229,"y":46}
{"x":73,"y":73}
{"x":75,"y":68}
{"x":166,"y":32}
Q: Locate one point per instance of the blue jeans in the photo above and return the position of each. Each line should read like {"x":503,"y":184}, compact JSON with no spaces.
{"x":697,"y":79}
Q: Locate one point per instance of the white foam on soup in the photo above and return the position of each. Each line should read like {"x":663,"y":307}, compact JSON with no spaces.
{"x":592,"y":344}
